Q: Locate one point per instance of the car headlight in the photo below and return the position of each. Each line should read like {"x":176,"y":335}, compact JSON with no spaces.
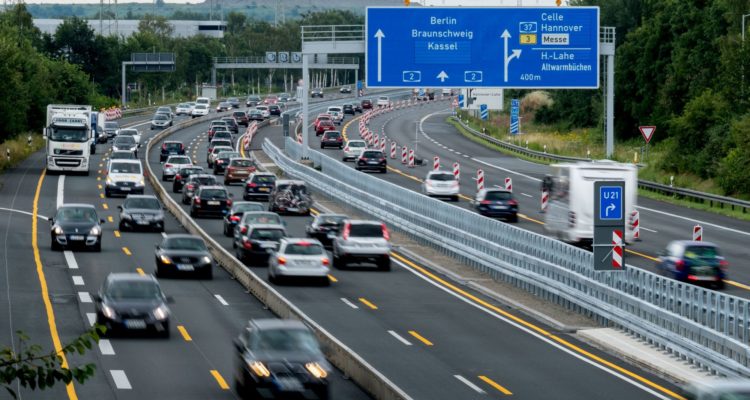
{"x":316,"y":370}
{"x":108,"y":311}
{"x":259,"y":368}
{"x":206,"y":260}
{"x":58,"y":230}
{"x":109,"y":180}
{"x":95,"y":231}
{"x":161,"y":313}
{"x":140,"y":182}
{"x":165,"y":259}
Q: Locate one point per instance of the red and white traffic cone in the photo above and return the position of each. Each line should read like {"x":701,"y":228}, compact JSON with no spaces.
{"x":393,"y":150}
{"x":617,"y":249}
{"x":456,"y":171}
{"x":698,"y":233}
{"x":403,"y":155}
{"x":436,"y":163}
{"x":545,"y":200}
{"x":635,"y":224}
{"x":480,"y":180}
{"x":509,"y":184}
{"x":411,"y":158}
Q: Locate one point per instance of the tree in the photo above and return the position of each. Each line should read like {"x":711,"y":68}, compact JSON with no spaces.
{"x":33,"y":369}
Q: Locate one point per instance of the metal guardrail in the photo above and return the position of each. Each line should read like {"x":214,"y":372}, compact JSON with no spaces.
{"x":695,"y":196}
{"x":710,"y":329}
{"x":332,"y":33}
{"x":262,"y":60}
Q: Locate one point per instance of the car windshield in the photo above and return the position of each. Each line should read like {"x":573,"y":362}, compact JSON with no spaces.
{"x":77,"y":214}
{"x":372,"y":154}
{"x":228,"y":154}
{"x":160,"y":117}
{"x":201,"y":106}
{"x":232,"y":100}
{"x":127,"y":132}
{"x":253,"y":98}
{"x":164,"y":109}
{"x":498,"y":196}
{"x":213,"y":194}
{"x":183,"y":105}
{"x":173,"y":146}
{"x":184,"y":243}
{"x":241,"y":163}
{"x":304,"y":249}
{"x":366,"y":230}
{"x":69,"y":135}
{"x":256,"y":112}
{"x":190,"y":171}
{"x":222,"y":134}
{"x":125,"y":168}
{"x":267,"y":234}
{"x":284,"y":340}
{"x":125,"y":140}
{"x":442,"y":177}
{"x":122,"y":290}
{"x":178,"y":160}
{"x":261,"y":108}
{"x":218,"y":123}
{"x":247,"y":207}
{"x":229,"y":121}
{"x":111,"y":125}
{"x":264,"y":179}
{"x":382,"y":98}
{"x":142,"y":203}
{"x":701,"y":252}
{"x":265,"y":218}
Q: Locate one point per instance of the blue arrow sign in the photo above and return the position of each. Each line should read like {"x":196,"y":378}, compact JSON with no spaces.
{"x":483,"y":47}
{"x":514,"y":121}
{"x":461,"y":103}
{"x":610,"y":202}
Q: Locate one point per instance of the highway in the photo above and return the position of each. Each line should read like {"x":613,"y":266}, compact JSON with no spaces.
{"x":661,"y":222}
{"x":436,"y":340}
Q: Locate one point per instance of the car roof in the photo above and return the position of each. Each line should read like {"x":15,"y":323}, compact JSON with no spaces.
{"x":78,"y":205}
{"x":196,"y":176}
{"x":241,"y":158}
{"x":141,"y":196}
{"x":261,"y":213}
{"x":214,"y":187}
{"x":277,"y":323}
{"x":356,"y":141}
{"x":181,"y":236}
{"x":686,"y":243}
{"x":328,"y":215}
{"x":178,"y":156}
{"x":363,"y":222}
{"x":264,"y":174}
{"x":266,"y":226}
{"x":439,"y":173}
{"x":130,"y":276}
{"x":127,"y":161}
{"x":172,"y":141}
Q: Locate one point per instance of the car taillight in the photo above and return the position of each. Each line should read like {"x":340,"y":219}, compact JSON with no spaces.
{"x":229,"y":202}
{"x":252,"y":184}
{"x":325,"y":261}
{"x":182,"y":146}
{"x":190,"y":186}
{"x":679,"y":265}
{"x":281,"y":260}
{"x":512,"y":202}
{"x":243,"y":229}
{"x":346,"y":148}
{"x":724,"y":264}
{"x":168,"y":165}
{"x":197,"y":200}
{"x":386,"y":235}
{"x":234,"y":218}
{"x":164,"y":146}
{"x":382,"y":159}
{"x":362,"y":159}
{"x":485,"y":202}
{"x":177,"y":177}
{"x":340,"y":139}
{"x":247,"y":244}
{"x":347,"y":229}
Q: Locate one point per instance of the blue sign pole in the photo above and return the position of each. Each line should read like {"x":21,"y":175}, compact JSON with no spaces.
{"x":514,"y":120}
{"x":484,"y":112}
{"x":509,"y":47}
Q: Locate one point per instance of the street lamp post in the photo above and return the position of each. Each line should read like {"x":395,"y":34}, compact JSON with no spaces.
{"x":743,"y":27}
{"x":742,"y":88}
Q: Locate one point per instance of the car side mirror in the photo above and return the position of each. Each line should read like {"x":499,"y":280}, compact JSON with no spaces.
{"x":97,"y":298}
{"x":238,"y":345}
{"x":51,"y":220}
{"x":169,"y":299}
{"x":119,"y":208}
{"x":102,"y":220}
{"x":231,"y":194}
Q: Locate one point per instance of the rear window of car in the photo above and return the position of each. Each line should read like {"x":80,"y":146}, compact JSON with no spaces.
{"x":220,"y":149}
{"x":701,"y":252}
{"x":142,"y":203}
{"x":173,"y":146}
{"x":179,"y":160}
{"x":267,"y":234}
{"x":222,"y":134}
{"x":239,"y":114}
{"x":332,"y":134}
{"x":127,"y":132}
{"x":127,"y":140}
{"x":248,"y":207}
{"x":201,"y":106}
{"x":206,"y":180}
{"x":498,"y":196}
{"x":111,"y":125}
{"x":124,"y":168}
{"x":269,"y":218}
{"x":356,"y":144}
{"x":366,"y":230}
{"x":304,"y":249}
{"x":214,"y":193}
{"x":442,"y":177}
{"x":218,"y":123}
{"x":331,"y":220}
{"x":228,"y":154}
{"x":372,"y":154}
{"x":241,"y":163}
{"x":264,"y":179}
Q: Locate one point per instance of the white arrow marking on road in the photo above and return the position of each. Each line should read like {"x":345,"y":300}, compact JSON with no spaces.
{"x":610,"y":207}
{"x":516,"y":53}
{"x":379,"y":34}
{"x":442,"y":76}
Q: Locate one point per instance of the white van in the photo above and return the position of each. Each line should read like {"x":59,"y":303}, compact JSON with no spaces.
{"x":124,"y":177}
{"x":203,"y":100}
{"x":570,"y":211}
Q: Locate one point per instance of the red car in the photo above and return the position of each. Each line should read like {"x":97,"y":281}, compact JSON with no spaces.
{"x":332,"y":139}
{"x":271,"y":100}
{"x":322,"y":117}
{"x":366,"y":104}
{"x":323,"y":126}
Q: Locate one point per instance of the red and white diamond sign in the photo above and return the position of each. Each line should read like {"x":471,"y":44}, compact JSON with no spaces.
{"x":647,"y":132}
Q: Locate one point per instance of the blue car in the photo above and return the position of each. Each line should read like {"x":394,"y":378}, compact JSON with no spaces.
{"x":694,"y":262}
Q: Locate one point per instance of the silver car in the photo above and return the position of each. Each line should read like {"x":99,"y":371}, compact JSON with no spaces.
{"x":441,"y":184}
{"x":362,"y":241}
{"x":172,"y":165}
{"x":299,"y":258}
{"x":353,"y":149}
{"x":161,"y":121}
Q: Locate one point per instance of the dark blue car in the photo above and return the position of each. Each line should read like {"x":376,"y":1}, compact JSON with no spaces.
{"x":694,"y":262}
{"x":496,"y":203}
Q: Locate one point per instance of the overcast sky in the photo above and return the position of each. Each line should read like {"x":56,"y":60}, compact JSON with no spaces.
{"x":107,"y":1}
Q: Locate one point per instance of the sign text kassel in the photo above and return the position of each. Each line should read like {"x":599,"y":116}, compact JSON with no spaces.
{"x":483,"y":47}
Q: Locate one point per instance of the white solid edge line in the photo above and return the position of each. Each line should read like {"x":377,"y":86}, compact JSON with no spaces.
{"x":60,"y":190}
{"x":78,"y":280}
{"x":527,"y":195}
{"x":349,"y":303}
{"x":85,"y":297}
{"x":469,"y":384}
{"x":91,"y":317}
{"x":105,"y":347}
{"x":121,"y":380}
{"x":221,"y":300}
{"x":695,"y":220}
{"x":506,"y":170}
{"x":70,"y":259}
{"x":22,"y":212}
{"x":535,"y":334}
{"x":399,"y":338}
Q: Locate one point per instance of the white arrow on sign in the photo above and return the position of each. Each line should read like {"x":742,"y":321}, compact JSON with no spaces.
{"x":647,"y":132}
{"x":379,"y":35}
{"x":442,"y":76}
{"x":609,"y":208}
{"x":516,"y":53}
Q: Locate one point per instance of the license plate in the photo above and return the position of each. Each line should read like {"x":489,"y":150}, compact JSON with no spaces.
{"x":135,"y":324}
{"x":289,"y":384}
{"x":372,"y":162}
{"x":264,"y":189}
{"x":185,"y":267}
{"x":76,"y":237}
{"x":213,"y":203}
{"x":499,"y":207}
{"x":125,"y":189}
{"x":268,"y":246}
{"x":292,"y":209}
{"x":142,"y":222}
{"x":240,"y":172}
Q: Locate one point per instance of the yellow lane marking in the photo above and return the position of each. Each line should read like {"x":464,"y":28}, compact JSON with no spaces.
{"x":332,"y":278}
{"x":99,"y":186}
{"x":140,"y":272}
{"x":110,"y":219}
{"x":101,"y":165}
{"x":127,"y":251}
{"x":101,"y":195}
{"x":420,"y":338}
{"x":367,"y":303}
{"x":534,"y":328}
{"x":117,"y":233}
{"x":642,"y":255}
{"x":219,"y":379}
{"x":98,"y":178}
{"x":184,"y":333}
{"x":495,"y":385}
{"x":526,"y":217}
{"x":314,"y":212}
{"x":737,"y":284}
{"x":71,"y":390}
{"x":105,"y":206}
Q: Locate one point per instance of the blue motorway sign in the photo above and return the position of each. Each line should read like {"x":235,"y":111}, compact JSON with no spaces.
{"x":505,"y":47}
{"x":515,"y":107}
{"x":610,"y":202}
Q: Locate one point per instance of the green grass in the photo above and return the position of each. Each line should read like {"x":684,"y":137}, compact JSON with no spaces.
{"x":19,"y":149}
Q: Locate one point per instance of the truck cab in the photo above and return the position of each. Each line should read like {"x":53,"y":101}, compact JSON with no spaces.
{"x":68,"y":136}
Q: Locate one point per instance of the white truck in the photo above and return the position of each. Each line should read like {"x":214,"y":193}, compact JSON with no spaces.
{"x":68,"y":137}
{"x":570,"y":211}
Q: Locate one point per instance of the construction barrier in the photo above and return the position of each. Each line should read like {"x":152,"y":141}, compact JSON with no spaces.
{"x":393,"y":150}
{"x":480,"y":180}
{"x":617,"y":249}
{"x":509,"y":184}
{"x":411,"y":158}
{"x":403,"y":155}
{"x":436,"y":163}
{"x":456,"y":171}
{"x":545,"y":200}
{"x":635,"y":224}
{"x":698,"y":233}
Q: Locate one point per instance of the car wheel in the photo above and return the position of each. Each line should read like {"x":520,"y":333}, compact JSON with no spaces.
{"x":273,"y":279}
{"x":324,"y":281}
{"x":227,"y":183}
{"x":321,"y":146}
{"x":384,"y":264}
{"x":121,"y":226}
{"x":208,"y":273}
{"x":514,"y":218}
{"x":163,"y":178}
{"x":54,"y":246}
{"x":192,"y":213}
{"x":384,"y":170}
{"x":226,"y":231}
{"x":455,"y":199}
{"x":339,"y":262}
{"x":98,"y":246}
{"x":721,"y":285}
{"x":166,"y":333}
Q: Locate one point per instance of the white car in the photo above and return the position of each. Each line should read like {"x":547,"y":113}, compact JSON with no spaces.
{"x":173,"y":164}
{"x":124,"y":177}
{"x":336,"y":116}
{"x":130,"y":132}
{"x":441,"y":184}
{"x":447,"y":92}
{"x":299,"y":258}
{"x":383,"y":101}
{"x":183,"y":109}
{"x":200,"y":110}
{"x":353,"y":149}
{"x":264,"y":109}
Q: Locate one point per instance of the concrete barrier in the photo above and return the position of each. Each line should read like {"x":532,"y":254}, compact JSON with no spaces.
{"x":354,"y":366}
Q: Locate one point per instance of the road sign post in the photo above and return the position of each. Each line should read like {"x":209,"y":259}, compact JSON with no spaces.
{"x":484,"y":112}
{"x":609,"y":224}
{"x":508,"y":47}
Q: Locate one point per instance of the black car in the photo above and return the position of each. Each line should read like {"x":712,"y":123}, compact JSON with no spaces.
{"x":290,"y":196}
{"x":132,"y":302}
{"x":234,"y":216}
{"x":325,"y":227}
{"x":259,"y":184}
{"x":222,"y":161}
{"x":282,"y":358}
{"x":274,"y":109}
{"x":234,"y":102}
{"x":241,"y":117}
{"x":357,"y":107}
{"x":496,"y":203}
{"x":695,"y":262}
{"x":366,"y":104}
{"x":255,"y":115}
{"x":76,"y":225}
{"x":182,"y":175}
{"x":253,"y":101}
{"x":193,"y":183}
{"x":125,"y":143}
{"x":256,"y":246}
{"x":372,"y":160}
{"x":317,"y":92}
{"x":332,"y":139}
{"x":349,"y":109}
{"x":171,"y":148}
{"x":141,"y":211}
{"x":232,"y":124}
{"x":210,"y":200}
{"x":183,"y":253}
{"x":111,"y":128}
